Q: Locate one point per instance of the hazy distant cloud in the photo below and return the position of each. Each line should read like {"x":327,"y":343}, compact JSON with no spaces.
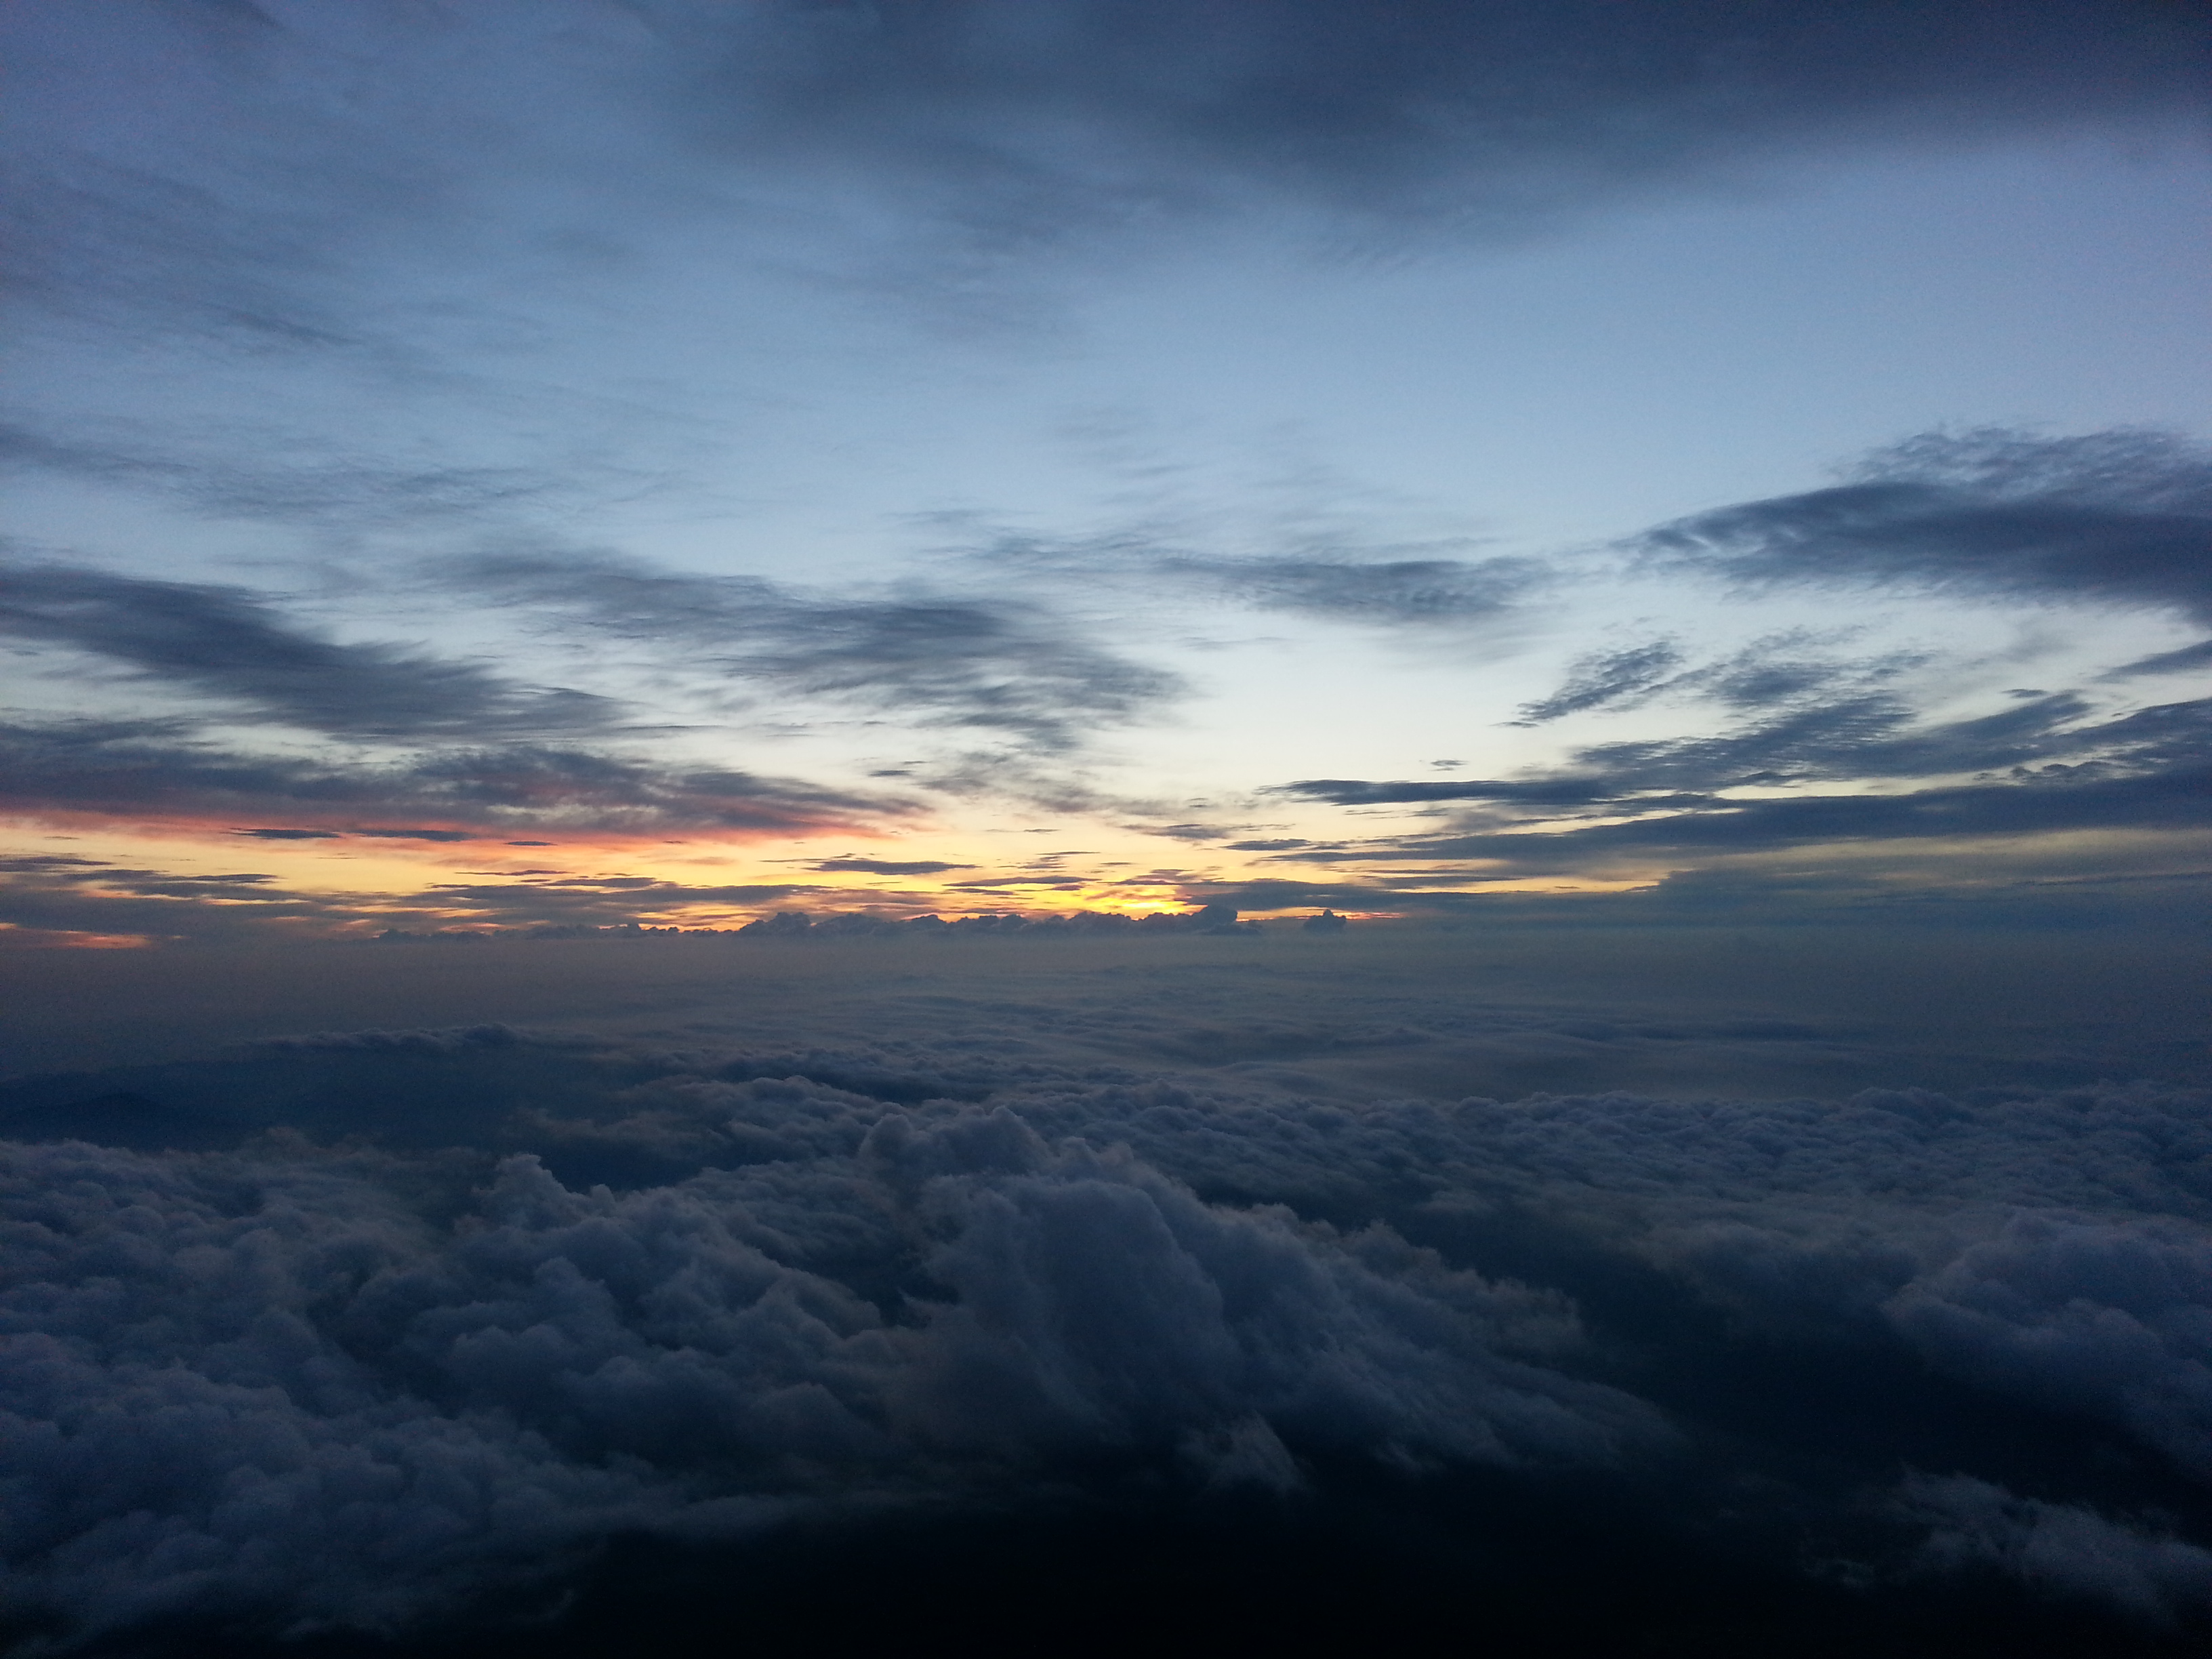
{"x":1352,"y":583}
{"x":240,"y":478}
{"x":57,"y":898}
{"x":967,"y":661}
{"x":1395,"y":591}
{"x":2119,"y":517}
{"x":161,"y":768}
{"x":228,"y":643}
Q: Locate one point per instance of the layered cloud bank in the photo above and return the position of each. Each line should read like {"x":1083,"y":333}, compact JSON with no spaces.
{"x":1873,"y":1356}
{"x":465,"y":456}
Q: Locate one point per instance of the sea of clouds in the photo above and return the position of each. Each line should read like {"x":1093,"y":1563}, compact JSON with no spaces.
{"x":387,"y":1332}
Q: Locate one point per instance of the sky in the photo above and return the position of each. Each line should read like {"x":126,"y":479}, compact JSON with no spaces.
{"x":503,"y":466}
{"x":1200,"y":823}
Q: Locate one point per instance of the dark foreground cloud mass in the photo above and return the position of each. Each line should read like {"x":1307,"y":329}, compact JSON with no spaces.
{"x":400,"y":1331}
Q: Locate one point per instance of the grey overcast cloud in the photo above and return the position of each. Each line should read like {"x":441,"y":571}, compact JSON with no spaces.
{"x":1163,"y":827}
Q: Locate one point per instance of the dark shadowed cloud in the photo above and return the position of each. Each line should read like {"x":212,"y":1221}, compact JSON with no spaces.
{"x":994,"y":131}
{"x":554,"y":1289}
{"x":1020,"y":122}
{"x":2176,"y":798}
{"x":161,"y":768}
{"x":56,"y":897}
{"x":227,"y":643}
{"x":1607,"y":679}
{"x":1872,"y":736}
{"x":2167,"y":662}
{"x":2112,"y":518}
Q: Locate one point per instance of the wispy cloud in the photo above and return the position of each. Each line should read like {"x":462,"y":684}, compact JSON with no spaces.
{"x":227,"y":643}
{"x":997,"y":665}
{"x":2116,"y":518}
{"x":1064,"y":116}
{"x":159,"y":769}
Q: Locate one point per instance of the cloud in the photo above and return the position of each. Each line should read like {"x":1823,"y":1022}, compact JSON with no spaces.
{"x":2146,"y":767}
{"x":88,"y":897}
{"x":2066,"y":1548}
{"x":1333,"y":574}
{"x":890,"y":866}
{"x":161,"y":768}
{"x":2108,"y":1318}
{"x":1019,"y":124}
{"x":319,"y":1402}
{"x":1606,"y":678}
{"x":935,"y":146}
{"x":987,"y":664}
{"x":2177,"y":799}
{"x":1346,"y":590}
{"x":237,"y":478}
{"x":559,"y":1289}
{"x":226,"y":643}
{"x":2117,"y":518}
{"x":2167,"y":662}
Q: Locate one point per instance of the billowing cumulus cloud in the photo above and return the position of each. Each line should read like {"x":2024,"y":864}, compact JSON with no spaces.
{"x":2065,"y":1548}
{"x":309,"y":1395}
{"x":566,"y":1289}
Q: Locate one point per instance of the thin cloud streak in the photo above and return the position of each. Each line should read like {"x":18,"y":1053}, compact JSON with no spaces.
{"x":997,"y":665}
{"x":160,"y":770}
{"x":229,"y":644}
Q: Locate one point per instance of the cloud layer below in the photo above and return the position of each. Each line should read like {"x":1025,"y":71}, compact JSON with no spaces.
{"x":360,"y":1332}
